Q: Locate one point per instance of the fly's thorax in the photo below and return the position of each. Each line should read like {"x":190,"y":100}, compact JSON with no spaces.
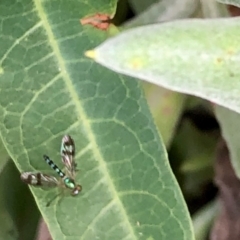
{"x":69,"y":183}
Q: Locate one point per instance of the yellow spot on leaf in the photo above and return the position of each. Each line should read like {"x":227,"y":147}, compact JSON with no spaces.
{"x":91,"y":54}
{"x":136,"y":63}
{"x":230,"y":51}
{"x":1,"y":70}
{"x":219,"y":61}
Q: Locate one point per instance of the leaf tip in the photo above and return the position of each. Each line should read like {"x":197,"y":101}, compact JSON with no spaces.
{"x":91,"y":54}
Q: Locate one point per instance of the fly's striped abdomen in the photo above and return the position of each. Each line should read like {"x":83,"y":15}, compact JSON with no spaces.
{"x":53,"y":166}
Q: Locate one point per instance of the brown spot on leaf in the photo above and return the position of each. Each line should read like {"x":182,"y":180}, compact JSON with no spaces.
{"x":99,"y":20}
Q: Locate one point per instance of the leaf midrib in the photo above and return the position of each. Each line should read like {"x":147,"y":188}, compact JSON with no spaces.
{"x":84,"y":119}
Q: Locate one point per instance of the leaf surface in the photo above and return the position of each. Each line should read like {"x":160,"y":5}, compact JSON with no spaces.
{"x":47,"y":89}
{"x":3,"y":156}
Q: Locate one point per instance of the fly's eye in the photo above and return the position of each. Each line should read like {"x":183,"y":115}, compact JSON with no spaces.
{"x":76,"y":190}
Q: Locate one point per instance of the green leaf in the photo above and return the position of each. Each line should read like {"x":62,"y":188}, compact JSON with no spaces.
{"x":3,"y":156}
{"x":230,"y":123}
{"x":198,"y":57}
{"x":231,"y":2}
{"x":47,"y":89}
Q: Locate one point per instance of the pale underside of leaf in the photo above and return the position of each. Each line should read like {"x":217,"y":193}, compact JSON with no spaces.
{"x":198,"y":57}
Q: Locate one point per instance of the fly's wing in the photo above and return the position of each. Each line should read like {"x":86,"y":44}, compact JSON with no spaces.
{"x":68,"y":153}
{"x":39,"y":179}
